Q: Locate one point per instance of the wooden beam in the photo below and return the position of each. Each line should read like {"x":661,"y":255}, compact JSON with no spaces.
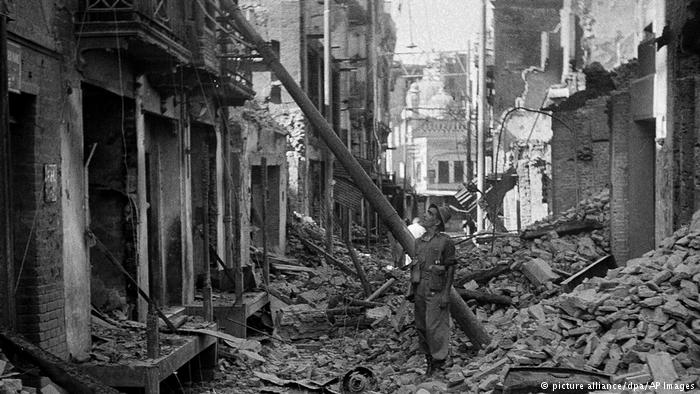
{"x":482,"y":296}
{"x":467,"y":321}
{"x":64,"y":374}
{"x":358,"y":267}
{"x":328,"y":257}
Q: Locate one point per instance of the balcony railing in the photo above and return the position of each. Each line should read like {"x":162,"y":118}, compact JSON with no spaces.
{"x":118,"y":10}
{"x":155,"y":34}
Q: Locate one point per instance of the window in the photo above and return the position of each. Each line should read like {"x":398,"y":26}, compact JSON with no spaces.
{"x":459,"y":171}
{"x":431,"y":176}
{"x":419,"y":172}
{"x":443,"y":172}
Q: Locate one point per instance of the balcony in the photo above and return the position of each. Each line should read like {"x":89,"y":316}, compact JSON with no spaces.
{"x":147,"y":29}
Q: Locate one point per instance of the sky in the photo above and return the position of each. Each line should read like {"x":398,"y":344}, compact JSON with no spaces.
{"x":434,"y":25}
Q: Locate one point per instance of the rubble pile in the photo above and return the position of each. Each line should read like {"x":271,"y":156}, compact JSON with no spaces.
{"x":640,"y":323}
{"x":541,"y":256}
{"x":24,"y":379}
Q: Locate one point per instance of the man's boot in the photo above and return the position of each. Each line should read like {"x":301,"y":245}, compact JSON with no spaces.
{"x":428,"y":365}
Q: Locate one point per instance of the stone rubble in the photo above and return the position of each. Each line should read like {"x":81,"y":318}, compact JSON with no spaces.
{"x":639,"y":323}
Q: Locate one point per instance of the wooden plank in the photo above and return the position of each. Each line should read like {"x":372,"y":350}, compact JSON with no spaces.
{"x":64,"y":374}
{"x":255,"y":302}
{"x":572,"y":227}
{"x":293,"y":268}
{"x":599,"y":268}
{"x":144,"y":373}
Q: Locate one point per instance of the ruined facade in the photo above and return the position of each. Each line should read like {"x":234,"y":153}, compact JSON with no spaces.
{"x":119,"y":126}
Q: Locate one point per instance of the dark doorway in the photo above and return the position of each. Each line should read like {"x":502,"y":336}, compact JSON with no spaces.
{"x":23,"y":169}
{"x":642,"y":185}
{"x":109,"y":127}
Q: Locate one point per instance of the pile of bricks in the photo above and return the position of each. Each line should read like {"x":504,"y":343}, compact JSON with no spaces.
{"x":640,"y":323}
{"x":534,"y":265}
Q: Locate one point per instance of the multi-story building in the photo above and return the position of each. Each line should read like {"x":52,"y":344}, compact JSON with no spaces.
{"x":119,"y":139}
{"x":362,"y":39}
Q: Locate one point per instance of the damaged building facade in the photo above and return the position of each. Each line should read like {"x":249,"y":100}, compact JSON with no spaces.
{"x":612,"y":103}
{"x":129,"y":143}
{"x":137,"y":150}
{"x":362,"y":39}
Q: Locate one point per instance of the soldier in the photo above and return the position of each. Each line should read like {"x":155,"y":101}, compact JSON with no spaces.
{"x":432,"y":275}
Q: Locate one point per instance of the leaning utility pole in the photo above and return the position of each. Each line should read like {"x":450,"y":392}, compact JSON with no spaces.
{"x":370,"y":191}
{"x":481,"y":121}
{"x":465,"y":318}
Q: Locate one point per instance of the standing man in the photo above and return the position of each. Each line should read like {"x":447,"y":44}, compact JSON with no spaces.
{"x":432,"y":275}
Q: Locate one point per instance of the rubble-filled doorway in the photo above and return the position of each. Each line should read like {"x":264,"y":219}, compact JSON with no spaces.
{"x":203,"y":135}
{"x":109,"y":128}
{"x":272,"y":207}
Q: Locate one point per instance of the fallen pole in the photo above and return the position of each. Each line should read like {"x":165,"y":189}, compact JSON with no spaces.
{"x":329,"y":258}
{"x":363,"y":182}
{"x":116,"y":263}
{"x":67,"y":375}
{"x":466,"y":321}
{"x":358,"y":267}
{"x":381,"y":290}
{"x":482,"y":296}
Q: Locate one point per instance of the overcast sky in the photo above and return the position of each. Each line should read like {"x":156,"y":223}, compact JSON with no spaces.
{"x":434,"y":25}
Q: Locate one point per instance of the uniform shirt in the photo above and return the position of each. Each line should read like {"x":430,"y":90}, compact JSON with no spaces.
{"x":437,"y":249}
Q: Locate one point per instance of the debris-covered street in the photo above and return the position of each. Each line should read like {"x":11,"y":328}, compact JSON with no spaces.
{"x":349,"y":196}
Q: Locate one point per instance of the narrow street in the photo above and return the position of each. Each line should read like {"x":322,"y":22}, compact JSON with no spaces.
{"x":349,"y":196}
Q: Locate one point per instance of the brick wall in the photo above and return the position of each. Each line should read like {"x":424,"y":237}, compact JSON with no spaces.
{"x":619,"y":177}
{"x":38,"y":227}
{"x":580,"y":154}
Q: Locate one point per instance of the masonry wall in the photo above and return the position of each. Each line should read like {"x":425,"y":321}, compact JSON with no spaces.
{"x":619,"y":176}
{"x":580,"y":154}
{"x":38,"y":242}
{"x":518,"y":28}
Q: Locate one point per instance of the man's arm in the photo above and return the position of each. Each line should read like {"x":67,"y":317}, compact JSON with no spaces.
{"x":448,"y":259}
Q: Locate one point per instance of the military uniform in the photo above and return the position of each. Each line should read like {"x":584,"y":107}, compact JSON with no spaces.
{"x":429,"y":276}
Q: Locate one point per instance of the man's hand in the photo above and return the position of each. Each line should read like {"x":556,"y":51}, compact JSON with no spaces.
{"x":444,"y":300}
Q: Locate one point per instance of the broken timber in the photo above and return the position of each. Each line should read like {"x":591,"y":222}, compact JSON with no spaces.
{"x":358,"y":267}
{"x":143,"y":294}
{"x":484,"y":276}
{"x":65,"y":375}
{"x":572,"y":227}
{"x":329,"y":258}
{"x":482,"y":296}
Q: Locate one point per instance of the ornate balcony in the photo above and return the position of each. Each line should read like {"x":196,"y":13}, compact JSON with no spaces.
{"x":145,"y":28}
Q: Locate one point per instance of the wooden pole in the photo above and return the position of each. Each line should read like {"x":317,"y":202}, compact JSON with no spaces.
{"x":128,"y":276}
{"x":329,"y":258}
{"x":206,"y":289}
{"x":466,"y":320}
{"x":358,"y":267}
{"x":381,"y":290}
{"x":363,"y":182}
